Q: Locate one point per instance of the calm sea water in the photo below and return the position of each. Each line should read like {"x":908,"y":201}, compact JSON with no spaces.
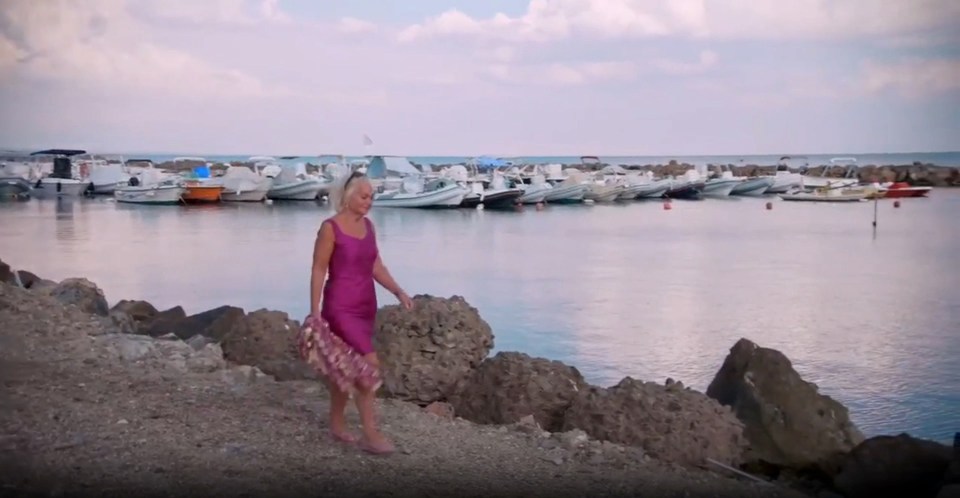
{"x":615,"y":290}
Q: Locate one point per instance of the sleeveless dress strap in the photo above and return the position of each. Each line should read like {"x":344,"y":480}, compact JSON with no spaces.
{"x":333,"y":223}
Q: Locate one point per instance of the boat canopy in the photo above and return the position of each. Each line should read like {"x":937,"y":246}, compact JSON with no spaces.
{"x":58,"y":152}
{"x":380,"y":165}
{"x":488,"y":162}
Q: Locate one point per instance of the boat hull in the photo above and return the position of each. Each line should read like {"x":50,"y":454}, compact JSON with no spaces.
{"x":60,"y":187}
{"x":604,"y":193}
{"x":687,"y":191}
{"x":534,"y":194}
{"x":154,"y":195}
{"x":447,"y":197}
{"x":14,"y":187}
{"x":197,"y":193}
{"x":565,"y":194}
{"x":904,"y":190}
{"x":256,"y":195}
{"x":754,"y":187}
{"x":471,"y":200}
{"x":813,"y":197}
{"x":502,"y":199}
{"x":720,"y":188}
{"x":306,"y":190}
{"x":654,"y":190}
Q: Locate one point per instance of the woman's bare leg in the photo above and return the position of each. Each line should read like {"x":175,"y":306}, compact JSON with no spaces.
{"x":338,"y":406}
{"x":365,"y":401}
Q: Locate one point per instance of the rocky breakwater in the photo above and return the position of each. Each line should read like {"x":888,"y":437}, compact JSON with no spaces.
{"x":134,"y":399}
{"x":173,"y":392}
{"x":801,"y":435}
{"x":757,"y":416}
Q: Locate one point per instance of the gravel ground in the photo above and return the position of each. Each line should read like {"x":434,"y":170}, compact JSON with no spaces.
{"x":74,"y":421}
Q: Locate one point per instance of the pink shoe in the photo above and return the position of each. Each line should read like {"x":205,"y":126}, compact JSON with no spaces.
{"x":384,"y":448}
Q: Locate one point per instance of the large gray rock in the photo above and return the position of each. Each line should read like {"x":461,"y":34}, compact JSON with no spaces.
{"x":140,"y":312}
{"x":893,"y":466}
{"x":267,"y":340}
{"x":168,"y":353}
{"x":82,"y":293}
{"x":511,"y":386}
{"x":426,"y":351}
{"x":788,"y":423}
{"x":671,"y":423}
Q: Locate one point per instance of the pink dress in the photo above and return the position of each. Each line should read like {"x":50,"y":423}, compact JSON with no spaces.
{"x":335,"y":342}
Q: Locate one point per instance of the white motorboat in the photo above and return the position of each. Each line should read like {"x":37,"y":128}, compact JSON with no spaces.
{"x":104,"y":176}
{"x":721,"y":186}
{"x":151,"y":186}
{"x":642,"y":186}
{"x":785,"y":180}
{"x":827,"y":195}
{"x":753,"y":186}
{"x":242,"y":184}
{"x":64,"y":181}
{"x":849,"y":178}
{"x":292,"y":182}
{"x":414,"y":192}
{"x":564,"y":189}
{"x":534,"y":192}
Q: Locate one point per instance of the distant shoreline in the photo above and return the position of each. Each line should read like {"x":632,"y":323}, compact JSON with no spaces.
{"x":930,"y":159}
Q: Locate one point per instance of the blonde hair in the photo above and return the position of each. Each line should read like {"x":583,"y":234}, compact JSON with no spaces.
{"x":343,"y":187}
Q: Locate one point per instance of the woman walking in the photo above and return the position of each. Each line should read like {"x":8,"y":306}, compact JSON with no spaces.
{"x":337,"y":336}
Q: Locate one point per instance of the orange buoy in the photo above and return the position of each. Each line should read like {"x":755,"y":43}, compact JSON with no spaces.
{"x":539,"y":206}
{"x":666,"y":205}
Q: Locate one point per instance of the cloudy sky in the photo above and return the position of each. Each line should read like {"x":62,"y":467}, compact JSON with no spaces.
{"x":459,"y":77}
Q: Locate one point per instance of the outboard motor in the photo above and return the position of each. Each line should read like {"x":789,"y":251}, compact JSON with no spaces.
{"x":62,"y":168}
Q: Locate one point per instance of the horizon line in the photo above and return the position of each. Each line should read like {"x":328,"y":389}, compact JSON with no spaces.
{"x":367,"y":154}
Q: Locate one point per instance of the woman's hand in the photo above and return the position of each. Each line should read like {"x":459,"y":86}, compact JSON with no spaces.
{"x":405,"y":300}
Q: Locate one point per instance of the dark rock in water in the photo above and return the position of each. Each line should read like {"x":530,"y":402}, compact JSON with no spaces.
{"x":510,"y":386}
{"x":82,"y":293}
{"x":267,"y":340}
{"x":139,"y":311}
{"x":164,"y":322}
{"x":215,"y":323}
{"x":426,"y":351}
{"x":671,"y":423}
{"x":893,"y":466}
{"x":788,"y":423}
{"x":7,"y":275}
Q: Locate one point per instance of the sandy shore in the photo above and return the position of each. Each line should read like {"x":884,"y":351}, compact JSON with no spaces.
{"x":77,"y":419}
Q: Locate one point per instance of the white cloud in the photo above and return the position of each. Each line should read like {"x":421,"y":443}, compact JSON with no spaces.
{"x":352,"y":25}
{"x":547,"y":20}
{"x":912,"y":78}
{"x":102,"y":44}
{"x":206,"y":12}
{"x":137,"y":74}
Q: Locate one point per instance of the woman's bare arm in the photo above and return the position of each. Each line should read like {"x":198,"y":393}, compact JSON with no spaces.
{"x":322,"y":250}
{"x":382,"y":275}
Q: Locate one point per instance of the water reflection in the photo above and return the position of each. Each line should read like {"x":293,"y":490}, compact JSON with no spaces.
{"x":615,"y":290}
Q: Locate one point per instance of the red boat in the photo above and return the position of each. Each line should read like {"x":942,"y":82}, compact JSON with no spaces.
{"x":903,"y":189}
